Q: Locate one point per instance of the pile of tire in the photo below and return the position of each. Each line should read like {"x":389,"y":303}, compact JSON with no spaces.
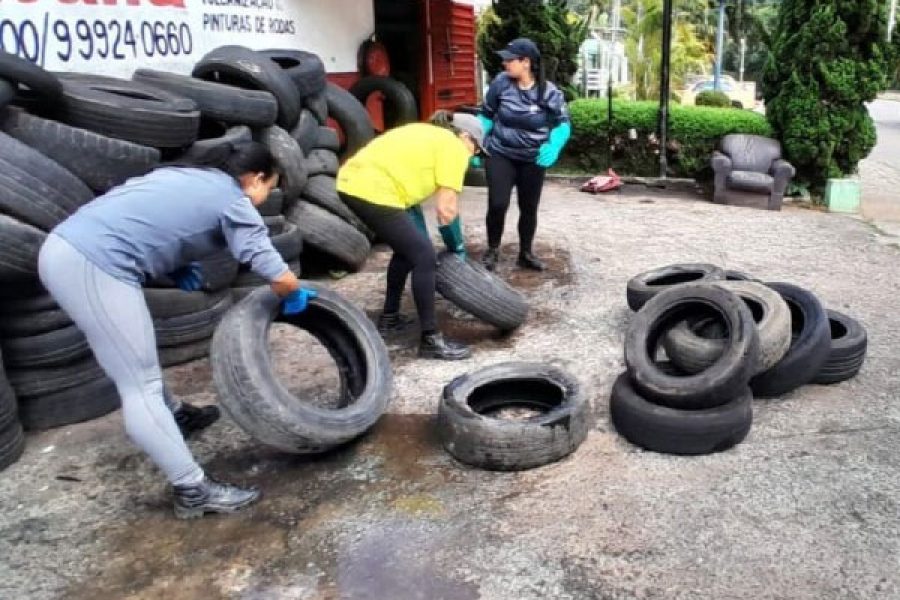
{"x":705,"y":342}
{"x":67,"y":137}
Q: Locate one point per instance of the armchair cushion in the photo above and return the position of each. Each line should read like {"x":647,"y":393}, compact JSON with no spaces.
{"x":751,"y":152}
{"x":751,"y":181}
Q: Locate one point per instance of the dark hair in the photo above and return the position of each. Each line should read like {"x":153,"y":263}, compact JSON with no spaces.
{"x":233,"y":158}
{"x":444,"y":119}
{"x":540,"y":76}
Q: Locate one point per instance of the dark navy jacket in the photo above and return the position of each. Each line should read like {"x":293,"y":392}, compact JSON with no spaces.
{"x":521,"y":123}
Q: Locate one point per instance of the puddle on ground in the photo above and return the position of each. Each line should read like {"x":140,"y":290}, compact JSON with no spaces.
{"x":460,"y":325}
{"x":365,"y":521}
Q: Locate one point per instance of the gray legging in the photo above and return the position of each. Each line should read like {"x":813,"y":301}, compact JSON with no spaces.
{"x":116,"y":322}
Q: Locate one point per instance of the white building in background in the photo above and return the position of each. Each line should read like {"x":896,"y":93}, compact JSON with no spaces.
{"x":599,"y":57}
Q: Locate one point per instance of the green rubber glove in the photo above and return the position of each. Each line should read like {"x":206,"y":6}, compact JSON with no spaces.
{"x":453,"y":237}
{"x":486,"y":124}
{"x":418,"y":218}
{"x":549,"y":151}
{"x":476,"y":162}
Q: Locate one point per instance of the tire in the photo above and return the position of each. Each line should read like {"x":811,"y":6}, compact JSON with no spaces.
{"x":12,"y":444}
{"x":732,"y":275}
{"x":219,"y":270}
{"x":14,"y":325}
{"x":248,"y":280}
{"x":288,"y":242}
{"x":306,"y":131}
{"x":242,"y":67}
{"x":321,"y":162}
{"x":692,"y":349}
{"x":273,"y":205}
{"x":73,"y":405}
{"x":29,"y":383}
{"x":289,"y":158}
{"x":100,"y":162}
{"x":809,"y":349}
{"x":400,"y":104}
{"x":34,"y":189}
{"x":165,"y":303}
{"x":327,"y":139}
{"x":275,"y":224}
{"x":477,"y":439}
{"x":305,"y":69}
{"x":317,"y":104}
{"x":7,"y":93}
{"x":250,"y":393}
{"x":128,"y":110}
{"x":179,"y":355}
{"x":642,"y":287}
{"x":51,"y":349}
{"x":849,"y":342}
{"x":721,"y":381}
{"x":351,"y":116}
{"x":193,"y":327}
{"x":328,"y":233}
{"x":216,"y":101}
{"x":19,"y":250}
{"x":36,"y":302}
{"x":674,"y":431}
{"x":232,"y":135}
{"x":476,"y":290}
{"x":321,"y":190}
{"x":19,"y":70}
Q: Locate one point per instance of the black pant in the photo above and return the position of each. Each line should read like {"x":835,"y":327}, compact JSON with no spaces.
{"x":528,"y":178}
{"x":413,"y":251}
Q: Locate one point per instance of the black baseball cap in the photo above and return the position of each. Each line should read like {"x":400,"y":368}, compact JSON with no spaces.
{"x":520,"y":48}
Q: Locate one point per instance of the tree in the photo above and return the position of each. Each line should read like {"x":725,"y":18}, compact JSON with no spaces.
{"x":689,"y":54}
{"x":827,"y":60}
{"x":557,"y":31}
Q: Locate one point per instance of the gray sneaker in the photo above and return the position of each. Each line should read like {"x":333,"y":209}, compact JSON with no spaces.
{"x":210,"y":496}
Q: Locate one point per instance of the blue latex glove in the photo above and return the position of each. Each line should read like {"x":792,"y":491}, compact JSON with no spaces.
{"x":549,"y":151}
{"x":453,"y":238}
{"x":476,"y":162}
{"x":297,"y":301}
{"x":189,"y":277}
{"x":418,"y":217}
{"x":486,"y":124}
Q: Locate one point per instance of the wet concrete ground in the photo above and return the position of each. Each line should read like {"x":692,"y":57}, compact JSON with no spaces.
{"x":806,"y":507}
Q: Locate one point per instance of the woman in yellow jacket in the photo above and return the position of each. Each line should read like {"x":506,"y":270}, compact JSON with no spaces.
{"x":395,"y":172}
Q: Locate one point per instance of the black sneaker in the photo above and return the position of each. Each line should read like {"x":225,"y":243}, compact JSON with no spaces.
{"x":389,"y":323}
{"x":527,"y":260}
{"x":210,"y":496}
{"x":490,"y":258}
{"x":434,"y":345}
{"x":191,"y":419}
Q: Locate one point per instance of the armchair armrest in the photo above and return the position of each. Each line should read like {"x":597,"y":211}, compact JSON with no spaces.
{"x":782,"y":168}
{"x":720,"y":162}
{"x":782,"y":171}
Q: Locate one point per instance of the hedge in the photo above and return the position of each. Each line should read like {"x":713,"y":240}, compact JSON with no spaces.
{"x":712,"y":98}
{"x":694,"y":132}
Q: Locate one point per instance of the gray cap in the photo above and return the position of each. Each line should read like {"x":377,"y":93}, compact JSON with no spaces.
{"x":471,"y":125}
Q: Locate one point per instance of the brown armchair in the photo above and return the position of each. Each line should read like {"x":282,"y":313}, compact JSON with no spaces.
{"x":749,"y":171}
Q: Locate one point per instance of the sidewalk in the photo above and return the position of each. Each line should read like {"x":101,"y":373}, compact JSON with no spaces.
{"x":880,"y":171}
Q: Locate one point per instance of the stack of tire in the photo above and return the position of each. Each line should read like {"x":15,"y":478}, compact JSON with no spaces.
{"x":705,"y":342}
{"x":12,"y":439}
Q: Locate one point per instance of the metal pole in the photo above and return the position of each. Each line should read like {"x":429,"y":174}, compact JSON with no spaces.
{"x":743,"y":54}
{"x":892,"y":18}
{"x":720,"y":47}
{"x":664,"y":86}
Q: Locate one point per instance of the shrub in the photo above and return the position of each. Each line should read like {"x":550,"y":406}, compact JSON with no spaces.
{"x":713,"y":98}
{"x":694,"y":132}
{"x":827,"y":60}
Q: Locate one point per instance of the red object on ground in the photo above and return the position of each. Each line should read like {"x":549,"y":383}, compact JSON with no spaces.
{"x":603,"y":183}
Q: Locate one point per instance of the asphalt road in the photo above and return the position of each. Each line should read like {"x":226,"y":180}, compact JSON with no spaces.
{"x":880,"y":171}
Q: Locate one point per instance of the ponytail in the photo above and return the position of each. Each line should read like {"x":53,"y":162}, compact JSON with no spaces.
{"x":234,"y":158}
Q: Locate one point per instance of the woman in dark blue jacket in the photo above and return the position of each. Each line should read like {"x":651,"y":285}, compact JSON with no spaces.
{"x":528,"y":121}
